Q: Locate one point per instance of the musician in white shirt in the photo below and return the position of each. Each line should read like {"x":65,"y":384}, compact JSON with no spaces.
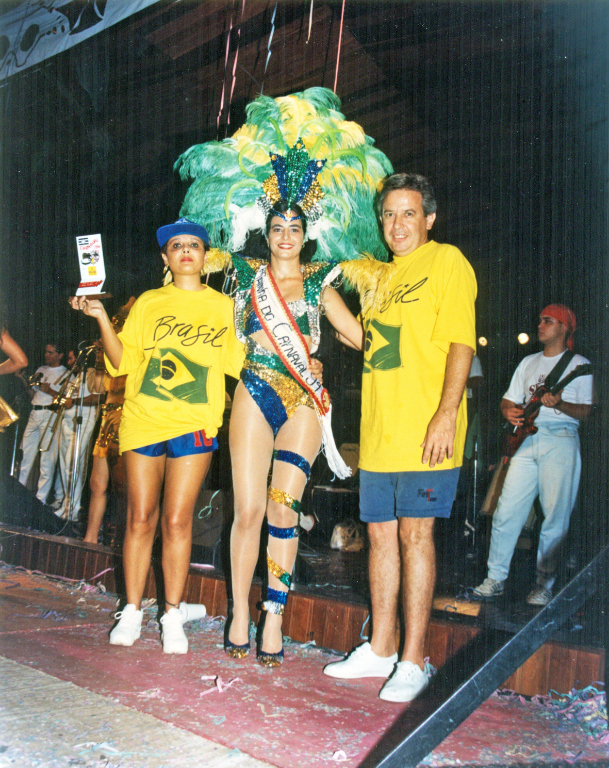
{"x":75,"y":444}
{"x":46,"y":390}
{"x":547,"y":464}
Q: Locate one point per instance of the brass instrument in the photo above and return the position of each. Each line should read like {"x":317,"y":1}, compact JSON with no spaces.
{"x":34,"y":380}
{"x":58,"y":407}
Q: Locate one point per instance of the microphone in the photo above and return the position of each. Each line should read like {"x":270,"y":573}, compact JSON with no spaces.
{"x":85,"y":346}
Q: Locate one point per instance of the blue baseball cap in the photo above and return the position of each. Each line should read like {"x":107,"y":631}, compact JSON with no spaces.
{"x":181,"y":227}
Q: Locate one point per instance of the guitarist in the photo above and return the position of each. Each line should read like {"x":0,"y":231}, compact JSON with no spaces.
{"x":548,"y":462}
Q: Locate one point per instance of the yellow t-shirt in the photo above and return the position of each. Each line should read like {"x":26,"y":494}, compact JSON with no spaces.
{"x":177,"y":346}
{"x":430,"y":305}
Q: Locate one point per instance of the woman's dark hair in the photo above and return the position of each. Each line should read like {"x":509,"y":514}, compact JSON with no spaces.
{"x":282,"y":206}
{"x":256,"y":246}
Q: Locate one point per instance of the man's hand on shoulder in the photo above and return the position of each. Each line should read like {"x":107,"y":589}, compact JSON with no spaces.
{"x":439,"y":438}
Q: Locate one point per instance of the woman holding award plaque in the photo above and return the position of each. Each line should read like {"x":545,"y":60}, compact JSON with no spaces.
{"x":175,"y":348}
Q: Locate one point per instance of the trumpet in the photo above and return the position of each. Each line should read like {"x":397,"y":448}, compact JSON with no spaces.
{"x":34,"y":380}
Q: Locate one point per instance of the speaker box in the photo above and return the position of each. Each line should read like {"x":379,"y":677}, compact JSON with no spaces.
{"x":18,"y":506}
{"x":331,"y":505}
{"x":210,"y":527}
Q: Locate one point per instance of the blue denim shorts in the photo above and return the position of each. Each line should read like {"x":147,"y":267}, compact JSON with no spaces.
{"x":385,"y":496}
{"x":185,"y":445}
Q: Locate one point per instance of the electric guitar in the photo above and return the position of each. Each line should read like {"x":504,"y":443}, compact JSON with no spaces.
{"x":515,"y":436}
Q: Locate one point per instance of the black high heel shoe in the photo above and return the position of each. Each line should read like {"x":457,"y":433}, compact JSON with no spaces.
{"x":236,"y":651}
{"x":269,"y":659}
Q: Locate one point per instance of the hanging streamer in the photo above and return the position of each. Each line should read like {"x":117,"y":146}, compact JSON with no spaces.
{"x":340,"y":40}
{"x":230,"y":29}
{"x":268,"y":55}
{"x":310,"y":21}
{"x":232,"y":89}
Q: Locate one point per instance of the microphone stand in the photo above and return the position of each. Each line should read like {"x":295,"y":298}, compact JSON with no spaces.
{"x":18,"y":406}
{"x":81,"y":363}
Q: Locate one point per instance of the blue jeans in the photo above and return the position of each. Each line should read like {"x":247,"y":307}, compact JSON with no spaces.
{"x":547,"y":464}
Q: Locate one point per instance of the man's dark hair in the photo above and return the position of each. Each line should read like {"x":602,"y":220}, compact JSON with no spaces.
{"x":408,"y":181}
{"x":60,"y":347}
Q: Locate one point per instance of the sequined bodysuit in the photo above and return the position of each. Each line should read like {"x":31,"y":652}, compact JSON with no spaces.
{"x":266,"y":378}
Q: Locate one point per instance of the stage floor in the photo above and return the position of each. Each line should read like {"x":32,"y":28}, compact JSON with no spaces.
{"x":343,"y":576}
{"x":72,"y":699}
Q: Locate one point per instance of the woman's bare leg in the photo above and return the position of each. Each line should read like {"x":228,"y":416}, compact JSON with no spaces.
{"x":100,"y":478}
{"x":144,"y":482}
{"x":183,"y":479}
{"x":251,"y":449}
{"x":301,"y":434}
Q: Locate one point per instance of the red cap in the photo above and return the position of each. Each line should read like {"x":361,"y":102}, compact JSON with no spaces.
{"x":565,"y":316}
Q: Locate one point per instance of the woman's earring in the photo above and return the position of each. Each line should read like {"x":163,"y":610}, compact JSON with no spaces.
{"x":165,"y":268}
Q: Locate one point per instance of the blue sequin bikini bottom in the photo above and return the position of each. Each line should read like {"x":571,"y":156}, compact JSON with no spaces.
{"x":274,"y":391}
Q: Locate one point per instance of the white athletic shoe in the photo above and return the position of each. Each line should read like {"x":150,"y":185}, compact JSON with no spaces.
{"x":405,"y":684}
{"x":172,"y":630}
{"x":489,"y":589}
{"x":129,"y":627}
{"x":539,"y":595}
{"x":362,"y":662}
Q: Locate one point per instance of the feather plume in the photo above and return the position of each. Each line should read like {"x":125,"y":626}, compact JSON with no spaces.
{"x":227,"y":176}
{"x":216,"y":260}
{"x":370,"y":278}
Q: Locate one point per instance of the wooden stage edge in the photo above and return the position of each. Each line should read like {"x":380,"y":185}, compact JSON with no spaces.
{"x":330,"y":623}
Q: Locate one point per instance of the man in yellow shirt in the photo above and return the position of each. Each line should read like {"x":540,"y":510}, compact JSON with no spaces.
{"x":419,"y":343}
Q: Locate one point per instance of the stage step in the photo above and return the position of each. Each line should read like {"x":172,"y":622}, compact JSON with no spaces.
{"x":330,"y":623}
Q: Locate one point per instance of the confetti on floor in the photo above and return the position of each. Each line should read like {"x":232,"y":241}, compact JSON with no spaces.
{"x":288,"y":717}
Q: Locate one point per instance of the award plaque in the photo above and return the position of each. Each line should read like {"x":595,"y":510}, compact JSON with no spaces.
{"x":92,"y":269}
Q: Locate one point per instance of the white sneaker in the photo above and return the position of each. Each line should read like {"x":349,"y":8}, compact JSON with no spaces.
{"x":362,"y":662}
{"x":539,"y":595}
{"x":128,"y":629}
{"x":405,"y":684}
{"x":489,"y":589}
{"x":172,"y":630}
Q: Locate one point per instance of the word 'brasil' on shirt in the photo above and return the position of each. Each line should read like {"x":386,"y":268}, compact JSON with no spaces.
{"x":429,"y":306}
{"x":177,"y":346}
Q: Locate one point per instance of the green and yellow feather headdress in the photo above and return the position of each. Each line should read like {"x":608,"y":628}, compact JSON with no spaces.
{"x":299,"y":147}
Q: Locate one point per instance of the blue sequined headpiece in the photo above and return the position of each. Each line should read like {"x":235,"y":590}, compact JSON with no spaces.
{"x":287,"y":216}
{"x":294,"y":180}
